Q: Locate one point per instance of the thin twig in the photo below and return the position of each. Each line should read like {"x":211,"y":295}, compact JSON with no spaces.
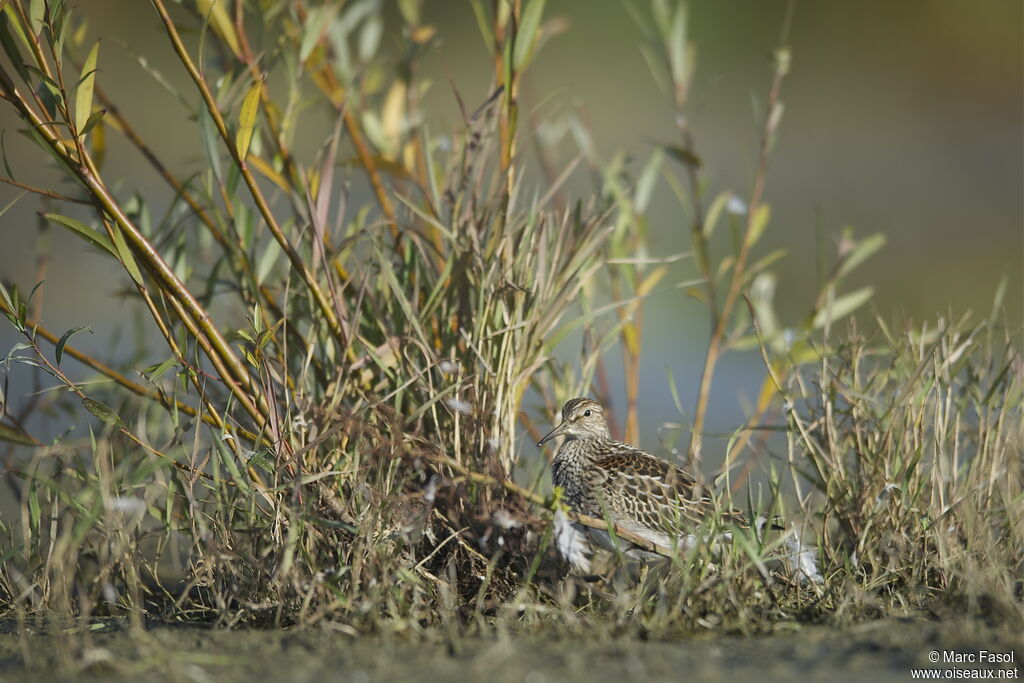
{"x":45,"y":193}
{"x":716,"y":345}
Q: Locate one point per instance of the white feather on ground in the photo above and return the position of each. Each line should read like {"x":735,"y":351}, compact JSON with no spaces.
{"x":803,"y":559}
{"x":572,"y":542}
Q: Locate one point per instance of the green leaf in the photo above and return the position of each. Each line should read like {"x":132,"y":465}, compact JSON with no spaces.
{"x":750,"y":548}
{"x":125,"y":255}
{"x":765,"y":262}
{"x":9,"y":22}
{"x":58,"y":16}
{"x":21,"y":346}
{"x":8,"y":302}
{"x":267,"y":261}
{"x":45,"y":81}
{"x":677,"y":46}
{"x":861,"y":252}
{"x":369,"y":38}
{"x":758,"y":222}
{"x":83,"y":97}
{"x":399,"y":293}
{"x":228,"y":458}
{"x":267,"y":335}
{"x":662,"y":15}
{"x":484,"y":23}
{"x":102,"y":411}
{"x":217,"y":14}
{"x":527,"y":34}
{"x":317,"y":21}
{"x":12,"y":435}
{"x":93,"y":119}
{"x":33,"y":506}
{"x":714,"y":211}
{"x":85,"y":232}
{"x":745,"y":343}
{"x":761,"y":297}
{"x":247,"y":120}
{"x":32,"y":294}
{"x":843,"y":306}
{"x":208,"y":134}
{"x":410,"y":10}
{"x":36,"y":15}
{"x":153,"y":372}
{"x":997,"y":300}
{"x":687,"y":157}
{"x":645,"y":184}
{"x":59,"y":351}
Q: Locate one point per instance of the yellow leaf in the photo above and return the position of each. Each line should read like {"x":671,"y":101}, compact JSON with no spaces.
{"x":393,"y":117}
{"x":768,"y":391}
{"x":217,"y":11}
{"x":313,"y":181}
{"x":327,"y":86}
{"x":758,"y":222}
{"x":629,"y":335}
{"x":99,"y":144}
{"x":247,"y":120}
{"x":803,"y":353}
{"x":648,"y":283}
{"x":409,"y":155}
{"x":422,"y":34}
{"x":268,"y":172}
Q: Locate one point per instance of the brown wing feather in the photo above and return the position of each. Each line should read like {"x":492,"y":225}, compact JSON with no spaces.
{"x":636,"y":463}
{"x":648,"y":487}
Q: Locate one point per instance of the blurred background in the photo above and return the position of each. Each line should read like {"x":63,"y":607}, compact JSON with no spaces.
{"x":900,"y":117}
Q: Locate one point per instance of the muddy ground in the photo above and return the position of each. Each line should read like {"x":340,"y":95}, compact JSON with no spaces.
{"x":878,"y":652}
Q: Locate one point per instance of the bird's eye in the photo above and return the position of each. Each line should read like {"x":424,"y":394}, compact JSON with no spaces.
{"x":586,"y":413}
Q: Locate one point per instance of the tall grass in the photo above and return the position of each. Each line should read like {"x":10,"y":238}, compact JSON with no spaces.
{"x":336,"y":438}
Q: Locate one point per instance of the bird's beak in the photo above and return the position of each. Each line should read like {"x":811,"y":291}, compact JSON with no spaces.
{"x":557,"y":431}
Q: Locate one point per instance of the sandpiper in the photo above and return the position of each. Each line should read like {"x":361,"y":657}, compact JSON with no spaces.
{"x":639,"y":492}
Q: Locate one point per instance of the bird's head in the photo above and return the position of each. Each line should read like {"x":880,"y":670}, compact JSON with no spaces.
{"x":581,"y":419}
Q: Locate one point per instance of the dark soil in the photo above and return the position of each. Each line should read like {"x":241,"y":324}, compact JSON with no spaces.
{"x":878,"y":652}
